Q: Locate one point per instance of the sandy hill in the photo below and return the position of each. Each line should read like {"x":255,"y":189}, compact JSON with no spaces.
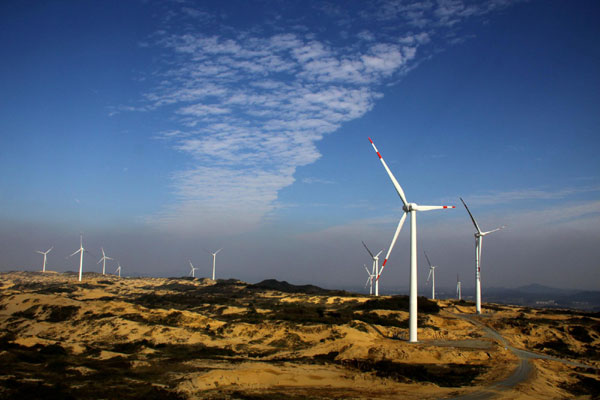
{"x":175,"y":338}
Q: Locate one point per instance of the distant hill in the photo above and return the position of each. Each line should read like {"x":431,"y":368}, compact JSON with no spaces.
{"x":285,"y":287}
{"x":535,"y":288}
{"x":535,"y":295}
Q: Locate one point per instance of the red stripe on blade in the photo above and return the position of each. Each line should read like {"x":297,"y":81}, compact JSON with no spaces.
{"x":379,"y":154}
{"x":384,"y":261}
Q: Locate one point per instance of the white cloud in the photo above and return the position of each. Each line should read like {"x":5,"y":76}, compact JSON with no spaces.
{"x":252,"y":106}
{"x":255,"y":133}
{"x":199,"y":110}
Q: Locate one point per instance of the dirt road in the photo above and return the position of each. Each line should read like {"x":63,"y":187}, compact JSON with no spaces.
{"x":520,"y":374}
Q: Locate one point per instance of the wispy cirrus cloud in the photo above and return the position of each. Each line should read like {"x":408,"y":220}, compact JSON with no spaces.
{"x":252,"y":105}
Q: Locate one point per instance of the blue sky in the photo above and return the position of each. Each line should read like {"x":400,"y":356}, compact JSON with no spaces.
{"x":161,"y":129}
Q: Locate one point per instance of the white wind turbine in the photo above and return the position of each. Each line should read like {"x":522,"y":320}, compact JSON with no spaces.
{"x":45,"y":253}
{"x":478,"y":243}
{"x":118,"y":270}
{"x":409,"y":208}
{"x":458,"y":291}
{"x":370,"y":279}
{"x":431,"y":276}
{"x":192,"y":270}
{"x":103,"y":261}
{"x":215,"y":262}
{"x":375,"y":268}
{"x":80,"y":251}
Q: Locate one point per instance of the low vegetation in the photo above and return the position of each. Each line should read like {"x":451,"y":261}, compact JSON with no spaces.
{"x":158,"y":339}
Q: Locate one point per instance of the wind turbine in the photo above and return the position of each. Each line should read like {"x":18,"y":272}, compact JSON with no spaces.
{"x":432,"y":276}
{"x":478,"y":244}
{"x":80,"y":251}
{"x":103,"y":260}
{"x":193,"y":269}
{"x":215,"y":262}
{"x":458,"y":291}
{"x":409,"y":208}
{"x":369,"y":279}
{"x":375,"y":268}
{"x":118,"y":270}
{"x":45,"y":253}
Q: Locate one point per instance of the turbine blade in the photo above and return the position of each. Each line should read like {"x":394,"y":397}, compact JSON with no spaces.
{"x":50,"y":249}
{"x":367,"y":270}
{"x":428,"y":262}
{"x":398,"y":229}
{"x":493,"y":230}
{"x":471,"y":215}
{"x":429,"y":276}
{"x":392,"y":177}
{"x":216,"y":252}
{"x":41,"y":252}
{"x":371,"y":254}
{"x":379,"y":253}
{"x":368,"y":279}
{"x":75,"y":253}
{"x":429,"y":208}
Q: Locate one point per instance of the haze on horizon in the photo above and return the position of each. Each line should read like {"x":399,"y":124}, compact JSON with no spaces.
{"x":164,"y":130}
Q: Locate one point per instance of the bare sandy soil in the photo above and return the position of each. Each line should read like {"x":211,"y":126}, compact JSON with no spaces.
{"x":157,"y":338}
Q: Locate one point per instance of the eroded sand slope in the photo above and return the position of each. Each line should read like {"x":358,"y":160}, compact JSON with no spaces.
{"x":183,"y":338}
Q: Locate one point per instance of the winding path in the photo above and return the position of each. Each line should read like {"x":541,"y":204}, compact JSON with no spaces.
{"x":519,"y":375}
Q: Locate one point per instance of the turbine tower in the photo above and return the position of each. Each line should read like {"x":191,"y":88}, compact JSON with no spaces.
{"x":458,"y":291}
{"x":193,"y":270}
{"x":432,"y":276}
{"x":45,"y":253}
{"x":215,"y":262}
{"x":103,"y":261}
{"x":80,"y":251}
{"x":478,"y":243}
{"x":375,"y":268}
{"x":369,"y":280}
{"x":409,"y":208}
{"x":118,"y":270}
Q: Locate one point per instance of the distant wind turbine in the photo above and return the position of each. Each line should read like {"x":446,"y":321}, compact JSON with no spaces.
{"x":215,"y":262}
{"x":45,"y":253}
{"x":458,"y":291}
{"x":375,"y":268}
{"x":192,"y":270}
{"x":118,"y":270}
{"x":478,"y":244}
{"x":103,"y":260}
{"x":409,"y":208}
{"x":369,"y":279}
{"x":80,"y":251}
{"x":431,"y":275}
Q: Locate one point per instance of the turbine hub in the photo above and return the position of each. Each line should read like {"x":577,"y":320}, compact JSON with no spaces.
{"x":409,"y":207}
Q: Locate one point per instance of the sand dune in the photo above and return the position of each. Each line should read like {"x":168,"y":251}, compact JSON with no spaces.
{"x":197,"y":338}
